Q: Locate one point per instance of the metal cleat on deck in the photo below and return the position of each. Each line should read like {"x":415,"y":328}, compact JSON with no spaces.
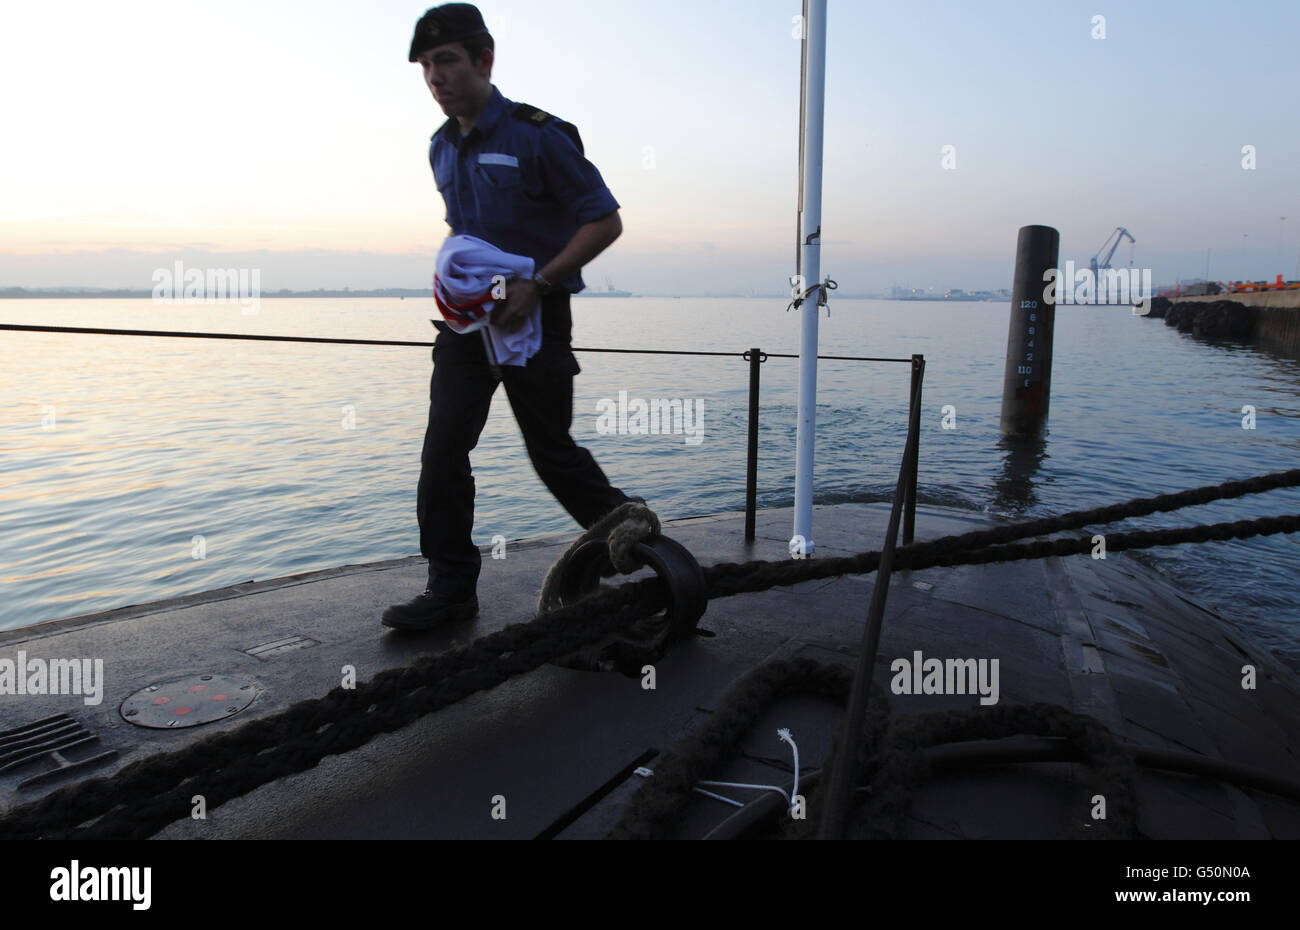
{"x":625,"y":541}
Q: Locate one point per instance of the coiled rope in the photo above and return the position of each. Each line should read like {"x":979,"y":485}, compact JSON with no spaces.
{"x":890,"y":755}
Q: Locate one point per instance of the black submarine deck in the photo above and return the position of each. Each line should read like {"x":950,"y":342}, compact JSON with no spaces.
{"x":1105,"y":637}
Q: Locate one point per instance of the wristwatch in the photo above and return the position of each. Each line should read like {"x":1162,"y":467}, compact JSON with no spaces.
{"x":544,"y":287}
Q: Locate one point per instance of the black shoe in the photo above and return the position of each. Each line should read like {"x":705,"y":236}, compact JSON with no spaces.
{"x":429,"y":610}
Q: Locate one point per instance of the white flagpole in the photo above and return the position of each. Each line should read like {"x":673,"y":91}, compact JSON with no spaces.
{"x":810,"y":223}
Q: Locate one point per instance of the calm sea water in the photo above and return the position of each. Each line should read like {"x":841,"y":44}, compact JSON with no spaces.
{"x":117,"y":452}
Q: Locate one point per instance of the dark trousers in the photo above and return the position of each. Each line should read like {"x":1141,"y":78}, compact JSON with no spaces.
{"x":460,"y":395}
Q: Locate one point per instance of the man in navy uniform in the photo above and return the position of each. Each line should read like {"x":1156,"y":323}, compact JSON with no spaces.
{"x":516,"y":177}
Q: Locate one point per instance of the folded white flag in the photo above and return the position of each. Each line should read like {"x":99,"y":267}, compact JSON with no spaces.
{"x":462,"y":287}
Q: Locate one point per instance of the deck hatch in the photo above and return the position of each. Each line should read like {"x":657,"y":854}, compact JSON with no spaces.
{"x":276,"y":647}
{"x":188,"y":702}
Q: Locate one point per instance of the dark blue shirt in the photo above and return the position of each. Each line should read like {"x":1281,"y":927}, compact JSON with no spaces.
{"x":524,"y":188}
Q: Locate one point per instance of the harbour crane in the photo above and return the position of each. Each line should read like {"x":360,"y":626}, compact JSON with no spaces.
{"x":1118,"y":235}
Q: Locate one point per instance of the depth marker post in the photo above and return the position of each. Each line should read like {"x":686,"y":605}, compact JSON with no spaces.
{"x":1027,"y":382}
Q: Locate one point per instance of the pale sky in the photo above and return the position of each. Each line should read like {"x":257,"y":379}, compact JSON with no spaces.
{"x":292,"y":137}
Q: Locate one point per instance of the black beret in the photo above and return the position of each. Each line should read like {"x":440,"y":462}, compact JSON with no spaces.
{"x":450,"y":22}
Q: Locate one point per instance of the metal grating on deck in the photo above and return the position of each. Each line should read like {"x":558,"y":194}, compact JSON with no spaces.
{"x":48,"y":740}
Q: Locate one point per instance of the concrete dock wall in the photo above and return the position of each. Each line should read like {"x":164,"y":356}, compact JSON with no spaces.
{"x":1271,"y":317}
{"x":1279,"y":326}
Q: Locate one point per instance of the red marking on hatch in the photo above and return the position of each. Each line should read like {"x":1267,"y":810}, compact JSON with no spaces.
{"x":161,"y":700}
{"x":198,"y":687}
{"x":218,"y":697}
{"x":182,"y":710}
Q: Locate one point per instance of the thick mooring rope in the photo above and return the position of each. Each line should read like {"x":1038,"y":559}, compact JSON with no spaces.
{"x":150,"y":793}
{"x":146,"y":795}
{"x":658,"y":804}
{"x":622,"y":528}
{"x":890,"y":755}
{"x":981,"y":546}
{"x":1112,"y":772}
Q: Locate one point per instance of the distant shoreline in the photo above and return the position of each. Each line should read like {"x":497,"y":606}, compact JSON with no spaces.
{"x":18,"y":293}
{"x":96,"y":293}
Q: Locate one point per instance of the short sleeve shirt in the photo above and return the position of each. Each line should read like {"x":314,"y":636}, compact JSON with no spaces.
{"x":524,"y":188}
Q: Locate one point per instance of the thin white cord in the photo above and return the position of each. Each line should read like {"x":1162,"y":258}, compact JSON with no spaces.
{"x":737,"y":784}
{"x":710,"y":794}
{"x":785,"y":736}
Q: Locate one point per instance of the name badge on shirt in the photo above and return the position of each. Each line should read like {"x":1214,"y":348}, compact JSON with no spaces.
{"x":497,"y":158}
